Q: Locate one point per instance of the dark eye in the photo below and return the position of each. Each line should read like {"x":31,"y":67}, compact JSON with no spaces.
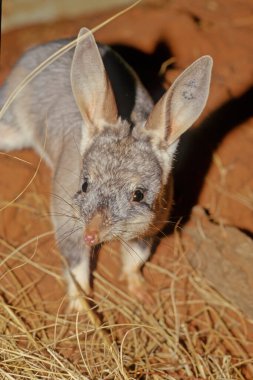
{"x":85,"y":185}
{"x":138,"y":195}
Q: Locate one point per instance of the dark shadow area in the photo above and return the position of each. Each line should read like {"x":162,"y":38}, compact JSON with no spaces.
{"x":246,"y":232}
{"x":122,"y":82}
{"x":93,"y":262}
{"x":147,"y":66}
{"x":196,"y":148}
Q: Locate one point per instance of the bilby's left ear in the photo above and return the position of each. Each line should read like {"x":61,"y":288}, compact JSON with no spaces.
{"x":182,"y":104}
{"x":90,"y":84}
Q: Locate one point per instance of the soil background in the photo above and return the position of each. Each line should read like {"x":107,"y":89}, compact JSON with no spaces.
{"x":214,"y":165}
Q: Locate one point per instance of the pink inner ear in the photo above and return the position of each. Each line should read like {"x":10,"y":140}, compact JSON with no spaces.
{"x":183,"y":103}
{"x":176,"y":132}
{"x":159,"y":119}
{"x":90,"y":84}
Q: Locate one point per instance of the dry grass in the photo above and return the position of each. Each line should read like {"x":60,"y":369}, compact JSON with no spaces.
{"x":189,"y":331}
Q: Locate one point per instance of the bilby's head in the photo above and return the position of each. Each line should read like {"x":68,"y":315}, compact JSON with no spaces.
{"x":125,"y":168}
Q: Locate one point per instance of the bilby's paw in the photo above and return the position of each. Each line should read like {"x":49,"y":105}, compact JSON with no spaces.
{"x":79,"y":303}
{"x":137,"y":286}
{"x":78,"y":299}
{"x":75,"y":304}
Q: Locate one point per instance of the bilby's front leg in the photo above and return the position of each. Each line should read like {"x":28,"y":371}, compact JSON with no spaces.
{"x":134,"y":255}
{"x":69,"y":235}
{"x":80,"y":270}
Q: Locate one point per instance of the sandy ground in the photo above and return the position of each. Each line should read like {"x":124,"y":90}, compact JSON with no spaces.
{"x":214,"y":169}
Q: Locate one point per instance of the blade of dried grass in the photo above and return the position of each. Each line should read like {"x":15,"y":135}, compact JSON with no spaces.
{"x":6,"y":375}
{"x":55,"y":56}
{"x":20,"y":324}
{"x":103,"y":334}
{"x":127,"y":311}
{"x":79,"y":346}
{"x":163,"y":334}
{"x":19,"y":285}
{"x":24,"y":245}
{"x":62,"y":363}
{"x":25,"y":188}
{"x":15,"y":158}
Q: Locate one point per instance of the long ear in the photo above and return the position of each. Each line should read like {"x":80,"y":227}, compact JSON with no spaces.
{"x":182,"y":104}
{"x":90,"y":84}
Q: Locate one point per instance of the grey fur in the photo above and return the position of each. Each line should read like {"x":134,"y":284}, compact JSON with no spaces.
{"x":115,"y":158}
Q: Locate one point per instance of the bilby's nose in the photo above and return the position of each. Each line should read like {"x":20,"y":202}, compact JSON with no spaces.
{"x":92,"y":230}
{"x":91,"y":238}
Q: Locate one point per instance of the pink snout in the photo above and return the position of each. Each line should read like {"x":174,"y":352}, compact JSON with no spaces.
{"x":92,"y":230}
{"x":91,"y":238}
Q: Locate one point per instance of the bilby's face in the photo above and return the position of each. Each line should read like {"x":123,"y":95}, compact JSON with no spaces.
{"x":121,"y":181}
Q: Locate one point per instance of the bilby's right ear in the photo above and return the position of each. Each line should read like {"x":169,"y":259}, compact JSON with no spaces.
{"x":90,"y":84}
{"x":182,"y":104}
